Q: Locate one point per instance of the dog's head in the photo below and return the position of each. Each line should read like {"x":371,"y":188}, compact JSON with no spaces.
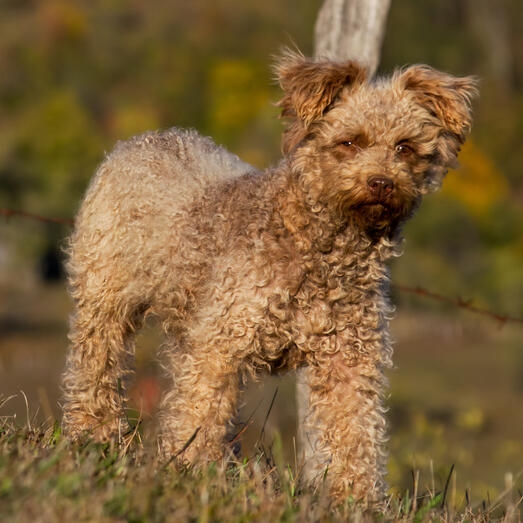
{"x":371,"y":149}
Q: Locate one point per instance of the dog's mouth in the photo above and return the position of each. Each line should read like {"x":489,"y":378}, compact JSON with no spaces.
{"x":368,"y":210}
{"x":379,"y":211}
{"x":381,"y":214}
{"x":380,"y":204}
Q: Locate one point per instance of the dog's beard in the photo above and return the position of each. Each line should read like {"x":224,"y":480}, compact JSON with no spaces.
{"x":377,"y":213}
{"x":377,"y":216}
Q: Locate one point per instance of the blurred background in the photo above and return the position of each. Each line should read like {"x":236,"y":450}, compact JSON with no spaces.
{"x":76,"y":76}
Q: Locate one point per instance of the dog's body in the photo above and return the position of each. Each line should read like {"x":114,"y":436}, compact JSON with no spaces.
{"x":252,"y":270}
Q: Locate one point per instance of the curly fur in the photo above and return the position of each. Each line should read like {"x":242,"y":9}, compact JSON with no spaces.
{"x":251,"y":270}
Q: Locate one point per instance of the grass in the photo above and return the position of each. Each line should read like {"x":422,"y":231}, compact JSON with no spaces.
{"x":44,"y":478}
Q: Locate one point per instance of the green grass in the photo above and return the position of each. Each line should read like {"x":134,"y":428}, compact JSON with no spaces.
{"x":44,"y":478}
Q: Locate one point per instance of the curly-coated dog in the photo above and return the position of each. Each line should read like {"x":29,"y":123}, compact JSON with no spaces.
{"x":253,"y":270}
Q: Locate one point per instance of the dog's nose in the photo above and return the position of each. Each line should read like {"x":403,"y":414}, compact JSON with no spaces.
{"x":380,"y":186}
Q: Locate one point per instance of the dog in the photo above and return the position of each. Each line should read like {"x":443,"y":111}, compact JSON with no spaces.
{"x":252,"y":271}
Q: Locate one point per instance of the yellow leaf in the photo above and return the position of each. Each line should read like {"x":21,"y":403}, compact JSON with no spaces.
{"x":477,"y":184}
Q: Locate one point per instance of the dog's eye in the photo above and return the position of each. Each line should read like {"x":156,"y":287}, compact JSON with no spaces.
{"x":352,"y":145}
{"x":404,"y":150}
{"x":349,"y":148}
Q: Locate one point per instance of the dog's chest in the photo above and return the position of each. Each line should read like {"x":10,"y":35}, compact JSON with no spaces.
{"x":332,"y":296}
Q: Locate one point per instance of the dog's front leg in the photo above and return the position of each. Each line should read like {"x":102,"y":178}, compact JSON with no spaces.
{"x":344,"y":428}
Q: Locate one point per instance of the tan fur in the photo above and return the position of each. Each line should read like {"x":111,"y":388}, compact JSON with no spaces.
{"x":250,"y":271}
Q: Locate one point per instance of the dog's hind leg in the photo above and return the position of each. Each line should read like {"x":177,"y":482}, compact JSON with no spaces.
{"x":198,"y":410}
{"x":205,"y":365}
{"x":99,"y":362}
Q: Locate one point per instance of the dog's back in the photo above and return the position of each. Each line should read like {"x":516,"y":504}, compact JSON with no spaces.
{"x":156,"y":173}
{"x":138,"y":203}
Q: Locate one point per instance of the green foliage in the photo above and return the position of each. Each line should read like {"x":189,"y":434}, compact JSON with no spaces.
{"x":78,"y":76}
{"x":52,"y":137}
{"x":239,"y":99}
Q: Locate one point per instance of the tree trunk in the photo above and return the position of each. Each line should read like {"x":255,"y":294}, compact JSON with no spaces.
{"x":491,"y":27}
{"x":351,"y":30}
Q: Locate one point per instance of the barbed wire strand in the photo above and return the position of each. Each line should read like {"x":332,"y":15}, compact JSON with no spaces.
{"x":31,"y":216}
{"x":460,"y":303}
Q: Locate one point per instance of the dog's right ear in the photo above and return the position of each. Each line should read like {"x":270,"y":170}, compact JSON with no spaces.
{"x":310,"y":88}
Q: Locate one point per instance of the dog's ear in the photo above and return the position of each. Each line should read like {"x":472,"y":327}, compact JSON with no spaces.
{"x":310,"y":88}
{"x":446,"y":97}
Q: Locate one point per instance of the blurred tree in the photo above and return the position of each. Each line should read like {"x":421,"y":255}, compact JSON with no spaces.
{"x":54,"y":149}
{"x":352,"y":29}
{"x":236,"y":93}
{"x":489,"y":26}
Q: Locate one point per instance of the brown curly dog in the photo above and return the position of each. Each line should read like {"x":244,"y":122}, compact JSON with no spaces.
{"x":253,"y":270}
